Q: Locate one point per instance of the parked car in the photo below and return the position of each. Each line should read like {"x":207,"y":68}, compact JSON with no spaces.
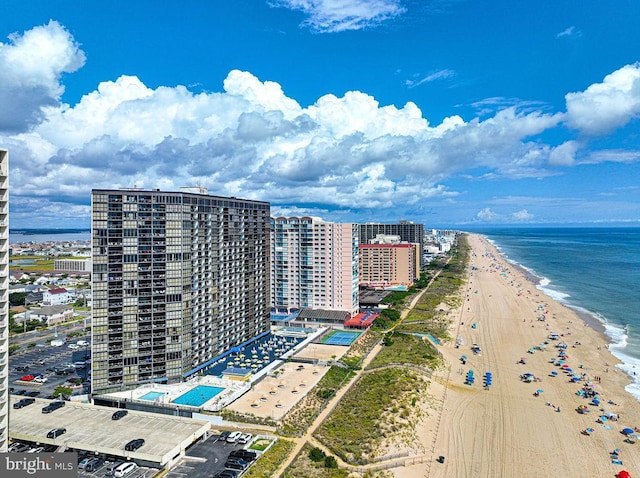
{"x":73,"y":346}
{"x":52,"y":406}
{"x":38,"y":449}
{"x":22,"y":368}
{"x":223,"y":436}
{"x":233,"y":437}
{"x":125,"y":469}
{"x":94,"y":464}
{"x":23,"y":402}
{"x":83,"y":462}
{"x":19,"y":392}
{"x":119,"y":414}
{"x":236,"y":464}
{"x":27,"y":378}
{"x":56,"y":432}
{"x":133,"y":445}
{"x":245,"y":438}
{"x":32,"y":393}
{"x":227,"y":474}
{"x":40,"y":379}
{"x":111,"y":468}
{"x":246,"y":455}
{"x":18,"y":447}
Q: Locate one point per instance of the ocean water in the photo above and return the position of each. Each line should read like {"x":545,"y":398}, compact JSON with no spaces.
{"x":48,"y":235}
{"x":595,"y":271}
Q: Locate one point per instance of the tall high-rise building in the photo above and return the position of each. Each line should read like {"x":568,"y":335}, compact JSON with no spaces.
{"x":314,"y":264}
{"x":4,"y":299}
{"x":178,"y":278}
{"x":408,"y":232}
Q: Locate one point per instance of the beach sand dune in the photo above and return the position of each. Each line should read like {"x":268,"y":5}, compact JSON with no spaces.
{"x":506,"y":430}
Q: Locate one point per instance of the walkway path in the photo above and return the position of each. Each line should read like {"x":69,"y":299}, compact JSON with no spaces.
{"x":308,"y":436}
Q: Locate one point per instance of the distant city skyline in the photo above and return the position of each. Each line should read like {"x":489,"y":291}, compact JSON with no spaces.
{"x":451,"y":113}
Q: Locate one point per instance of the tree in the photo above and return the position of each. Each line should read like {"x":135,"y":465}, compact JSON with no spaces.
{"x":316,"y":454}
{"x":17,"y":298}
{"x":63,"y":391}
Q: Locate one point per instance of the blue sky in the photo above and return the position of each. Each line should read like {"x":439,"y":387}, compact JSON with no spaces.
{"x":454,"y":113}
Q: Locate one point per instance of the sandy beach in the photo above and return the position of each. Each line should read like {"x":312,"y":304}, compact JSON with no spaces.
{"x":508,"y":429}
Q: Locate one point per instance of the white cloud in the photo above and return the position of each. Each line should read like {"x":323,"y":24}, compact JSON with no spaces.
{"x":564,"y":155}
{"x":602,"y":107}
{"x":571,"y":31}
{"x":31,"y":67}
{"x":438,"y":75}
{"x":253,"y":141}
{"x":342,"y":15}
{"x":487,"y":215}
{"x":522,"y":216}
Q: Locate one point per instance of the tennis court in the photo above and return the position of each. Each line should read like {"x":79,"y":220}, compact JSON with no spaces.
{"x":339,"y":337}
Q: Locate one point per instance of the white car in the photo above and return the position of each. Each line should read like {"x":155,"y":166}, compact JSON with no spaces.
{"x":73,"y":346}
{"x":40,"y":379}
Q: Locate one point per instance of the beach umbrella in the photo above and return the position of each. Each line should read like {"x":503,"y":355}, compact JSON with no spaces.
{"x":627,"y":431}
{"x":554,"y":374}
{"x":623,"y":474}
{"x":539,"y":390}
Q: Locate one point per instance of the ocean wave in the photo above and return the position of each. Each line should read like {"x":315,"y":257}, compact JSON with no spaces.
{"x":555,"y":294}
{"x":618,"y":336}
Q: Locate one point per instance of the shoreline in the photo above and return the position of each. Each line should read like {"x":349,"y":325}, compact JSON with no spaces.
{"x":497,"y":430}
{"x":627,"y":363}
{"x":589,"y":318}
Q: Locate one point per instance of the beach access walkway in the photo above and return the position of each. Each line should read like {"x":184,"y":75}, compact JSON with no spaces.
{"x":308,"y":436}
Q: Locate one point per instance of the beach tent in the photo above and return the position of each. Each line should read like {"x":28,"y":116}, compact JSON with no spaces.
{"x":623,"y":474}
{"x":627,"y":431}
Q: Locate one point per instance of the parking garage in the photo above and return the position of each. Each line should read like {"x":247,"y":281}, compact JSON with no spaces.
{"x":91,"y":428}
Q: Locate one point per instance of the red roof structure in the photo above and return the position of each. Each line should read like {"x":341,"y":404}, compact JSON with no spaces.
{"x":60,"y":290}
{"x":362,"y":320}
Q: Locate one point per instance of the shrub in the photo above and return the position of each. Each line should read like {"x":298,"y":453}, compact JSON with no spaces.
{"x":316,"y":454}
{"x":330,"y":462}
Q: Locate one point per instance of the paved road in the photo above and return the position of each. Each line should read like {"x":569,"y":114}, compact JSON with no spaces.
{"x":52,"y":332}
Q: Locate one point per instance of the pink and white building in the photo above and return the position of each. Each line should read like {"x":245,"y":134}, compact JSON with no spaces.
{"x":314,"y":264}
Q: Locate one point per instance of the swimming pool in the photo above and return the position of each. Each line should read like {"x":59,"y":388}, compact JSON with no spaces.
{"x":198,"y":396}
{"x":151,"y":396}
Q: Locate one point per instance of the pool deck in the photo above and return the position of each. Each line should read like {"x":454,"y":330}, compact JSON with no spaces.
{"x":232,"y":389}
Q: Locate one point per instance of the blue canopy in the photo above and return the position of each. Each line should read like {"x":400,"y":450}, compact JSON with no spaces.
{"x":628,"y":431}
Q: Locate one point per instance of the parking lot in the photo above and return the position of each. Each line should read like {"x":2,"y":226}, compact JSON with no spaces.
{"x":205,"y":458}
{"x":42,"y":360}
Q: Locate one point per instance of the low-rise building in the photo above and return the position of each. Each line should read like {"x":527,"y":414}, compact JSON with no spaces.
{"x":56,"y":296}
